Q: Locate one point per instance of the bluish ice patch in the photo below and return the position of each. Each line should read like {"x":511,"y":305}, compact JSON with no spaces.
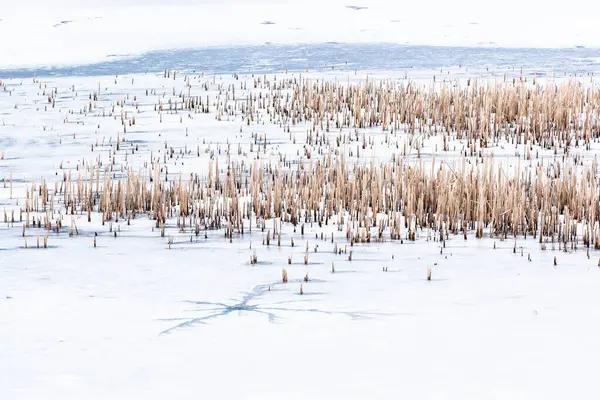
{"x":270,"y":58}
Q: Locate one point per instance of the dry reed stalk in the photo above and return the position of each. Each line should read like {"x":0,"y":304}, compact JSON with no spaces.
{"x":284,"y":275}
{"x":428,"y":273}
{"x":253,"y":258}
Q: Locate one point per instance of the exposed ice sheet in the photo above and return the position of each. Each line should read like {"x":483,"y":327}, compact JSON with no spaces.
{"x":65,"y":32}
{"x":336,"y":57}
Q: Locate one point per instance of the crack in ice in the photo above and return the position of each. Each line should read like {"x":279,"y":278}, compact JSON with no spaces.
{"x":219,"y":309}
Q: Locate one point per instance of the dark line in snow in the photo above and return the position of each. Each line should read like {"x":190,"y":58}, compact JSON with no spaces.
{"x":357,"y":8}
{"x":62,"y":23}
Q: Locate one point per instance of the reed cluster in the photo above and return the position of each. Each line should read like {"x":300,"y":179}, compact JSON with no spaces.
{"x":375,"y":202}
{"x":329,"y":184}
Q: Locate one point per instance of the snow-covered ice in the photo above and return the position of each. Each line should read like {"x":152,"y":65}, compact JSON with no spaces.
{"x":137,"y":318}
{"x":63,"y":32}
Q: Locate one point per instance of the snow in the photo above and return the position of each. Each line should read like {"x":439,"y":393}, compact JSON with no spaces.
{"x":64,"y":32}
{"x":86,"y":325}
{"x":135,"y":319}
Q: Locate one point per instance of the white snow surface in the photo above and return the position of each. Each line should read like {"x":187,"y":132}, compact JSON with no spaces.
{"x":63,"y":32}
{"x":84,"y":323}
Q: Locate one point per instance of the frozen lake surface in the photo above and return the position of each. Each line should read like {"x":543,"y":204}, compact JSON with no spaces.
{"x":274,"y":58}
{"x":141,"y":316}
